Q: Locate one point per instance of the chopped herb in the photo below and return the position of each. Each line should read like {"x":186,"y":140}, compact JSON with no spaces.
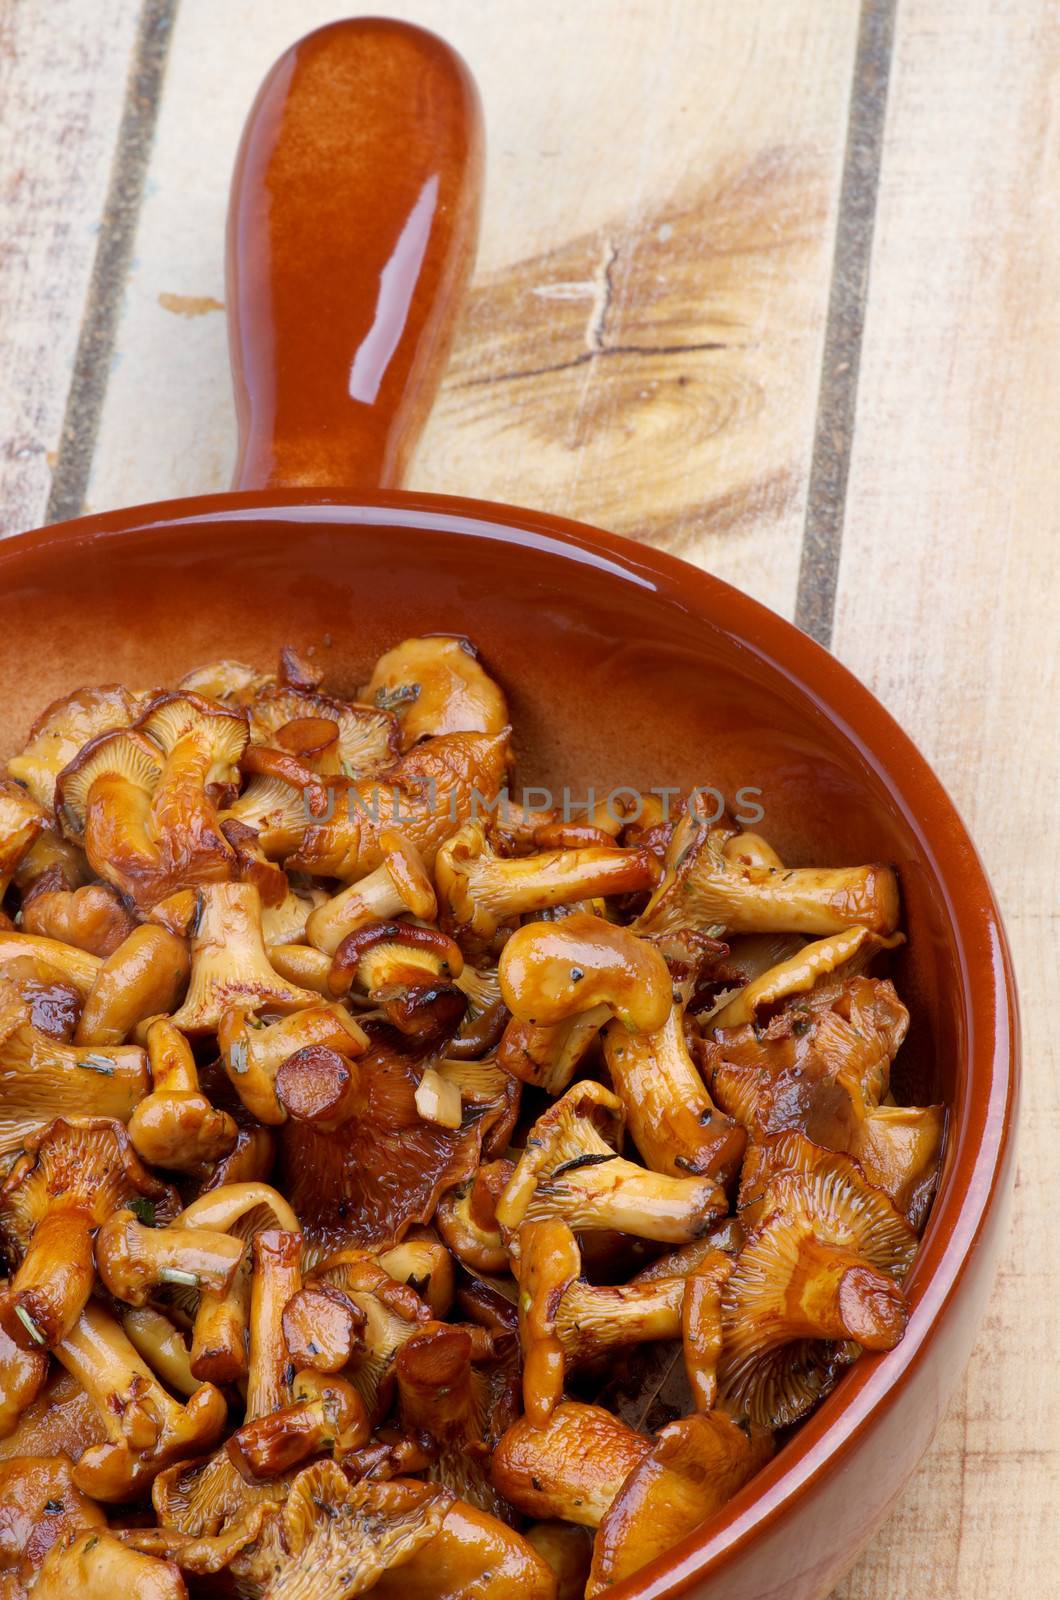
{"x":144,"y":1209}
{"x":52,"y":1506}
{"x":30,"y":1326}
{"x":583,"y":1161}
{"x":237,"y":1056}
{"x":402,"y":694}
{"x":97,"y":1064}
{"x":685,"y":1164}
{"x":178,"y":1275}
{"x":800,"y":1027}
{"x":90,"y":1544}
{"x":576,"y":974}
{"x":200,"y":907}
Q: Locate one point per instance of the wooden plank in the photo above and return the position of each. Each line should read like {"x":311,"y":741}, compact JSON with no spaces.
{"x":62,"y":81}
{"x":643,"y":340}
{"x":947,"y":606}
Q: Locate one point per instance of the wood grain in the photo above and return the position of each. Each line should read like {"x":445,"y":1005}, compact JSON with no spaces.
{"x":947,"y":607}
{"x":62,"y":81}
{"x":642,"y":344}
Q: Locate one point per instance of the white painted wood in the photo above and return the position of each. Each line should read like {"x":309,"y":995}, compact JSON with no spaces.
{"x":947,"y":606}
{"x":694,"y":147}
{"x":62,"y":83}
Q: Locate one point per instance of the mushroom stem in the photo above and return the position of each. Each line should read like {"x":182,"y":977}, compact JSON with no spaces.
{"x":674,"y":1123}
{"x":161,"y":1345}
{"x":144,"y":977}
{"x":401,"y":885}
{"x":53,"y":1281}
{"x":572,"y":1467}
{"x":22,"y":1375}
{"x":483,"y":890}
{"x":176,"y":1126}
{"x":222,"y":1208}
{"x":222,"y":1322}
{"x":434,"y":1377}
{"x":133,"y":1259}
{"x":330,"y":1417}
{"x":277,"y":1276}
{"x":839,"y":1296}
{"x":146,"y":1427}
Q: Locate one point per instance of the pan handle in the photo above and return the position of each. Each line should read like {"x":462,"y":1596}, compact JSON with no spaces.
{"x":352,"y":225}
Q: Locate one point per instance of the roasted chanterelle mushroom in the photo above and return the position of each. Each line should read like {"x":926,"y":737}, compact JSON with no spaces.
{"x":368,"y":1135}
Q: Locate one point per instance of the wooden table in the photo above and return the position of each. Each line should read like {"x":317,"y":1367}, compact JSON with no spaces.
{"x":771,"y":282}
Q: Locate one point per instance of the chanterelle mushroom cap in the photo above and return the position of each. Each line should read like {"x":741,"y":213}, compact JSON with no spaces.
{"x":819,"y":1067}
{"x":22,"y":1376}
{"x":473,"y":1555}
{"x":564,"y":1321}
{"x":278,"y":801}
{"x":64,"y":728}
{"x":325,"y":1417}
{"x":59,"y":1419}
{"x":695,"y":1466}
{"x":569,"y":1169}
{"x":43,"y":1078}
{"x":572,"y":1467}
{"x":333,"y":1539}
{"x":21,"y":820}
{"x":146,"y":1428}
{"x":381,"y":1171}
{"x":466,"y":1218}
{"x":562,"y":980}
{"x":436,"y":685}
{"x":434,"y":789}
{"x":176,"y":1126}
{"x":392,"y":1313}
{"x":549,"y":971}
{"x":145,"y":802}
{"x":775,"y":1077}
{"x":480,"y":891}
{"x":229,"y":967}
{"x":400,"y":885}
{"x":254,"y":1053}
{"x":73,"y":1176}
{"x":92,"y":916}
{"x":97,"y":1566}
{"x":230,"y":681}
{"x":39,"y":1507}
{"x":845,"y":952}
{"x":705,"y":886}
{"x":364,"y":740}
{"x":822,"y":1267}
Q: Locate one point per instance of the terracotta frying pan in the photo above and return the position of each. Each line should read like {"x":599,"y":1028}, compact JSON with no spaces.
{"x":351,"y":235}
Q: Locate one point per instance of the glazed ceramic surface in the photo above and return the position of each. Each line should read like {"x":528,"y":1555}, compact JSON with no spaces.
{"x":352,"y":229}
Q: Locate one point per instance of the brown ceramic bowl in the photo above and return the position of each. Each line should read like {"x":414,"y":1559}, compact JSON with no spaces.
{"x":351,"y":231}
